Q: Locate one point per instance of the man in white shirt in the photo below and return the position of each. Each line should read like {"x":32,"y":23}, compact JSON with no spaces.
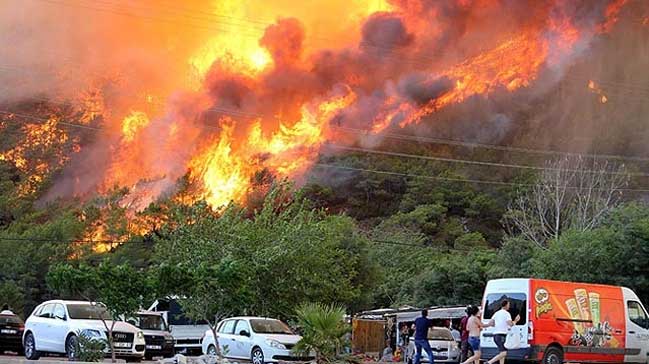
{"x":502,"y":321}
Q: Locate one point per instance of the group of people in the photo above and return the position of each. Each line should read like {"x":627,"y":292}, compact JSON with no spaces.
{"x":470,"y":328}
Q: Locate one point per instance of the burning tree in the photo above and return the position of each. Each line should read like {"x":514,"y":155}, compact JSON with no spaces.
{"x":119,"y":287}
{"x":571,"y":193}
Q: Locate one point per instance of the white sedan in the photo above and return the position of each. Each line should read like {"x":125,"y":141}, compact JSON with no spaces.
{"x":54,"y":325}
{"x":261,"y":340}
{"x":444,"y":346}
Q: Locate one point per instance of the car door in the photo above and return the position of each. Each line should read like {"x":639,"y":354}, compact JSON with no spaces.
{"x":42,"y":328}
{"x":243,"y":344}
{"x":58,"y":328}
{"x":226,"y":337}
{"x":637,"y":332}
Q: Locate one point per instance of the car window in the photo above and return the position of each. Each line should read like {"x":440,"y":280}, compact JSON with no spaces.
{"x":59,"y":311}
{"x":10,"y":320}
{"x":46,"y":312}
{"x":637,"y":315}
{"x":270,"y":326}
{"x":440,"y":334}
{"x":242,"y":325}
{"x":227,"y":327}
{"x":518,"y":305}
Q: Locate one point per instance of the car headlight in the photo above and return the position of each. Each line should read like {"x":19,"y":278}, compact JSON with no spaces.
{"x":92,"y":334}
{"x":140,"y":335}
{"x":275,"y":344}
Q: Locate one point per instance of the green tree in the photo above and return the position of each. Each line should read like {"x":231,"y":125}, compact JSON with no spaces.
{"x":209,"y":291}
{"x":12,"y":295}
{"x":614,"y":253}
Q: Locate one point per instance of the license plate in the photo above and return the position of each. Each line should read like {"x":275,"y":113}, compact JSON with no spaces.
{"x":8,"y":331}
{"x":154,"y":347}
{"x":122,"y":345}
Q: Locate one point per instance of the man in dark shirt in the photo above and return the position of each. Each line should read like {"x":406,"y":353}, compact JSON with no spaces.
{"x":464,"y":338}
{"x":422,"y":324}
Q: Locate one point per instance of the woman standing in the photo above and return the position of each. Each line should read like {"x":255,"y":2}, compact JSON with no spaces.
{"x":474,"y":326}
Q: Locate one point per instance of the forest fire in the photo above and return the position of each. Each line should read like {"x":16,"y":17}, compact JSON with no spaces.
{"x":254,"y":95}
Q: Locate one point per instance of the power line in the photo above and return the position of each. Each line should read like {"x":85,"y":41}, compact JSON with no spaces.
{"x":481,"y":163}
{"x":457,"y":142}
{"x":452,"y":179}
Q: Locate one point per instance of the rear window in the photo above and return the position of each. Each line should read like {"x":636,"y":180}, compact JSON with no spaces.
{"x":10,"y":320}
{"x":440,"y":334}
{"x":518,"y":305}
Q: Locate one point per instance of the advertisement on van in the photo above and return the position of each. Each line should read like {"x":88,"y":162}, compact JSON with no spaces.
{"x":579,"y":315}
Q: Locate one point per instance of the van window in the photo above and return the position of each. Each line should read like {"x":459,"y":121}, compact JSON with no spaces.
{"x":518,"y":305}
{"x":637,"y":315}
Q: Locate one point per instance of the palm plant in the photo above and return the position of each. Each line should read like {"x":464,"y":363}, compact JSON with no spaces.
{"x":324,"y":331}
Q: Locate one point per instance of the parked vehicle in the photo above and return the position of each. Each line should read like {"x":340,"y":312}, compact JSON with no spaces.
{"x":186,"y":332}
{"x":261,"y":340}
{"x":445,"y":348}
{"x":54,"y":327}
{"x":159,"y":341}
{"x":11,"y":333}
{"x":569,"y":322}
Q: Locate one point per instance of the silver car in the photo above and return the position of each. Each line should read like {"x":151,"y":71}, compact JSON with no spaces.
{"x":445,"y":348}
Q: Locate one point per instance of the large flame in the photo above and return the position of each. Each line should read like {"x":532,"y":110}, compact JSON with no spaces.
{"x":247,"y":87}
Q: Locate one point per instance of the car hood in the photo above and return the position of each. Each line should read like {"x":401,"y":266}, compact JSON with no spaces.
{"x":284,"y":339}
{"x":98,"y":325}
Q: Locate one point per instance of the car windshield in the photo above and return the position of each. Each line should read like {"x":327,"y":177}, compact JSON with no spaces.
{"x":88,"y":312}
{"x":262,"y":326}
{"x":151,"y":322}
{"x":440,"y":334}
{"x":10,"y":320}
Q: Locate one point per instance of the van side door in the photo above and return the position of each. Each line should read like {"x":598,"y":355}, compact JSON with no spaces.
{"x":637,"y":332}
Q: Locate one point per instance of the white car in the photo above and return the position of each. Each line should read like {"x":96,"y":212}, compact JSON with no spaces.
{"x":261,"y":340}
{"x":444,"y":346}
{"x":54,"y":325}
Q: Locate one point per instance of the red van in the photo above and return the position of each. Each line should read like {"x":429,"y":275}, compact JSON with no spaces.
{"x":569,"y":322}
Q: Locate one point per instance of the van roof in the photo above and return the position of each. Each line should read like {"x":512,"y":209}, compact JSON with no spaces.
{"x":556,"y":281}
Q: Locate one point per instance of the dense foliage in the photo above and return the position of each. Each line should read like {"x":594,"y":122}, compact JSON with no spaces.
{"x":350,"y":237}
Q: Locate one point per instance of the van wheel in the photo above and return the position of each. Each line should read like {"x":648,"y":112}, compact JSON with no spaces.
{"x":553,"y":355}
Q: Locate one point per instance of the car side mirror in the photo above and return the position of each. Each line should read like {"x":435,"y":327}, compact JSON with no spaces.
{"x":63,"y":318}
{"x":244,"y":333}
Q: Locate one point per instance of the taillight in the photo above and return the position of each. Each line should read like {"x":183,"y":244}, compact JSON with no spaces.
{"x":530,"y":331}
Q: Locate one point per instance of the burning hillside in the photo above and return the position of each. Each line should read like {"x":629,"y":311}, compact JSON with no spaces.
{"x":219,"y":92}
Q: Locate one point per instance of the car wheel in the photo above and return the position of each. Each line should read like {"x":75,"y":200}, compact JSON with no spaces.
{"x":211,"y":350}
{"x":71,"y":347}
{"x":257,"y":356}
{"x":30,"y":347}
{"x":553,"y":355}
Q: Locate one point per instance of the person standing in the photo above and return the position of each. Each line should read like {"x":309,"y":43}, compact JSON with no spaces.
{"x":502,"y":322}
{"x":464,"y":337}
{"x":422,"y":324}
{"x":474,"y":327}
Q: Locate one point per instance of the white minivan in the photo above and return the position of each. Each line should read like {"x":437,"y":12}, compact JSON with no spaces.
{"x":568,"y":322}
{"x":54,"y":326}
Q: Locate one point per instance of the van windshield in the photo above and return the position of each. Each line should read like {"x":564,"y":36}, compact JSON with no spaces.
{"x":518,"y":305}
